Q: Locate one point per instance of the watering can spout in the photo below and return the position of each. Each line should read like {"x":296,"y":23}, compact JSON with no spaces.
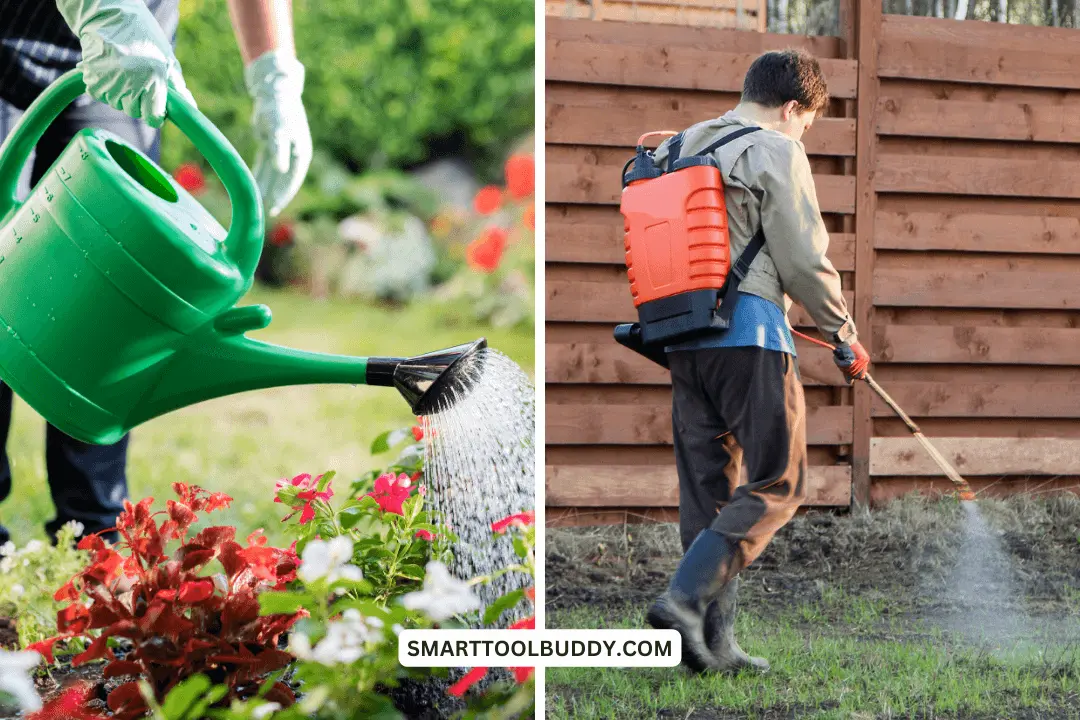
{"x":432,"y":381}
{"x":223,"y":361}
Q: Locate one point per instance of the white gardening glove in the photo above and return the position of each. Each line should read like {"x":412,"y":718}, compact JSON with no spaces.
{"x":276,"y":82}
{"x":127,"y":62}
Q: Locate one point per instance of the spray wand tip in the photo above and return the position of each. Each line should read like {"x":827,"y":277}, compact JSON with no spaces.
{"x":967,"y":495}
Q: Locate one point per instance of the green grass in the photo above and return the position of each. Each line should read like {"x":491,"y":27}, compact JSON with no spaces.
{"x":857,"y":669}
{"x":244,"y":443}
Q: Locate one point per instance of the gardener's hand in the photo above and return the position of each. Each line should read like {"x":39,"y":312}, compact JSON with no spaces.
{"x":127,"y":62}
{"x":853,"y":361}
{"x":276,"y":81}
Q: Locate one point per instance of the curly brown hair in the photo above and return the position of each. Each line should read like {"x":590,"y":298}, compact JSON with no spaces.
{"x":780,"y":76}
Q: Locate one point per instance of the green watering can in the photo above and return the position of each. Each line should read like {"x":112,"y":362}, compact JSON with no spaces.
{"x":117,"y":288}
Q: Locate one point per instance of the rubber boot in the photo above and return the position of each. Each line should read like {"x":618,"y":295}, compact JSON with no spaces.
{"x":697,"y":582}
{"x":720,"y":634}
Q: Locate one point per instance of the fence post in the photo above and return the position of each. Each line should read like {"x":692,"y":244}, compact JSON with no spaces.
{"x":866,"y":30}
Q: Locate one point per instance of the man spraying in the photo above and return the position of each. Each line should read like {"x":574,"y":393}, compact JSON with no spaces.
{"x":737,"y":398}
{"x":124,"y":49}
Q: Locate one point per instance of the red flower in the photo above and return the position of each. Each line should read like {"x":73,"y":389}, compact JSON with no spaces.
{"x":417,"y":433}
{"x":69,"y":705}
{"x":488,"y":199}
{"x":282,"y":235}
{"x":471,"y":678}
{"x":191,"y":178}
{"x":529,"y":217}
{"x":424,"y":535}
{"x":485,"y":252}
{"x":309,"y":493}
{"x":520,"y":176}
{"x":391,"y":492}
{"x":525,"y":518}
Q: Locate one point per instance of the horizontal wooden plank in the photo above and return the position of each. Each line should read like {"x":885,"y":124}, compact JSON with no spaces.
{"x":658,"y":485}
{"x":581,"y":175}
{"x":592,"y":240}
{"x":615,"y":61}
{"x":611,"y":363}
{"x":974,"y":120}
{"x":963,"y":288}
{"x":601,"y":124}
{"x":704,"y":38}
{"x":982,"y":400}
{"x":957,"y":175}
{"x":650,"y":424}
{"x":611,"y":302}
{"x":977,"y":232}
{"x":977,"y":456}
{"x":937,"y":53}
{"x":977,"y":33}
{"x":715,"y":13}
{"x":976,"y":345}
{"x":582,"y":517}
{"x":886,"y":489}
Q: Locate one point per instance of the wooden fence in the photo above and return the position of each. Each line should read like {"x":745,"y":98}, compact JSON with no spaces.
{"x":948,"y":172}
{"x":734,"y":14}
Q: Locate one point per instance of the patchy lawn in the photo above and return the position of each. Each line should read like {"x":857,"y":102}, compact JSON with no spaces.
{"x":244,"y":443}
{"x":855,"y":612}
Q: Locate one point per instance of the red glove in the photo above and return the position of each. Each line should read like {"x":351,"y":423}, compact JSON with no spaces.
{"x":853,"y":360}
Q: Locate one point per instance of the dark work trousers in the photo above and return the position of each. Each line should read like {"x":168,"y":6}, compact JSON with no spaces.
{"x":736,"y":408}
{"x":88,"y":483}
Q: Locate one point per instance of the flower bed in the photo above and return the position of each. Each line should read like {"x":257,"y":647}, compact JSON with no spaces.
{"x":183,"y":619}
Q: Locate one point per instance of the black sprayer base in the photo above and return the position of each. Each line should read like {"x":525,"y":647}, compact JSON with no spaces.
{"x":426,"y":379}
{"x":629,"y":335}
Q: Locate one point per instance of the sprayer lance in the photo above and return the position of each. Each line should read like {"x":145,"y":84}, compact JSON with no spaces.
{"x":431,"y":381}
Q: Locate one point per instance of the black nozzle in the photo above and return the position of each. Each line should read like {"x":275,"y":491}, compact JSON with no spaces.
{"x":629,"y":335}
{"x":426,"y":379}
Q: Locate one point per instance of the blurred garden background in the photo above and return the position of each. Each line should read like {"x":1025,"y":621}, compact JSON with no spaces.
{"x":413,"y":232}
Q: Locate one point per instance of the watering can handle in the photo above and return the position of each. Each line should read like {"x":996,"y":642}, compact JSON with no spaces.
{"x":243,"y":244}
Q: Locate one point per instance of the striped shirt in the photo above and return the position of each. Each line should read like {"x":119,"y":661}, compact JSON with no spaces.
{"x":37,"y":46}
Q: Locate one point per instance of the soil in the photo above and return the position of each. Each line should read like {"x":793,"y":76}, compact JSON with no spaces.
{"x":9,"y":634}
{"x":902,"y":553}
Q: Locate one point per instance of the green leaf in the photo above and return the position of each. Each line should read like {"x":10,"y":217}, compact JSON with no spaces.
{"x":501,"y":605}
{"x":520,"y":547}
{"x":325,"y":479}
{"x":349,"y":517}
{"x":283,"y":603}
{"x":388,"y":439}
{"x":413,"y":572}
{"x":183,"y":696}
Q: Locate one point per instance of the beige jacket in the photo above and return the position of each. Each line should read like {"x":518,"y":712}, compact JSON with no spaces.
{"x":768,"y":184}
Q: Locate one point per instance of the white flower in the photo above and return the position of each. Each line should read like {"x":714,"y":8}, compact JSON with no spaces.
{"x":265,"y":710}
{"x":15,"y":678}
{"x":330,"y":560}
{"x":345,"y":640}
{"x":397,"y":628}
{"x":77,"y":526}
{"x":17,"y":590}
{"x":443,"y":596}
{"x":7,"y":549}
{"x":7,"y":564}
{"x":33,"y":546}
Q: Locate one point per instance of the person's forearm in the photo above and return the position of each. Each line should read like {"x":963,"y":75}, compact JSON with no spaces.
{"x":262,"y":26}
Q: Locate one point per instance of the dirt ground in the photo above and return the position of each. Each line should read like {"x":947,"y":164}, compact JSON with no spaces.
{"x":898,"y":560}
{"x":902,"y":552}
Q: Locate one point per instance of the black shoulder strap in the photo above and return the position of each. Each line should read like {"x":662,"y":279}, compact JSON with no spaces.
{"x":674,"y":148}
{"x":727,"y":138}
{"x":735,"y":278}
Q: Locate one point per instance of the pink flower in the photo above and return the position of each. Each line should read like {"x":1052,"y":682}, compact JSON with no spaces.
{"x":523,"y":519}
{"x":391,"y":492}
{"x":417,"y":433}
{"x":472,"y":677}
{"x":190,"y":177}
{"x":424,"y":535}
{"x":308,"y":493}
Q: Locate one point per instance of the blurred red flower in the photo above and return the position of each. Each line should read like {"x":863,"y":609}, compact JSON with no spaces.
{"x":282,"y":234}
{"x":488,"y":199}
{"x":425,"y":535}
{"x":525,"y":518}
{"x":529,"y":217}
{"x":485,"y":252}
{"x":520,"y":176}
{"x":191,"y":178}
